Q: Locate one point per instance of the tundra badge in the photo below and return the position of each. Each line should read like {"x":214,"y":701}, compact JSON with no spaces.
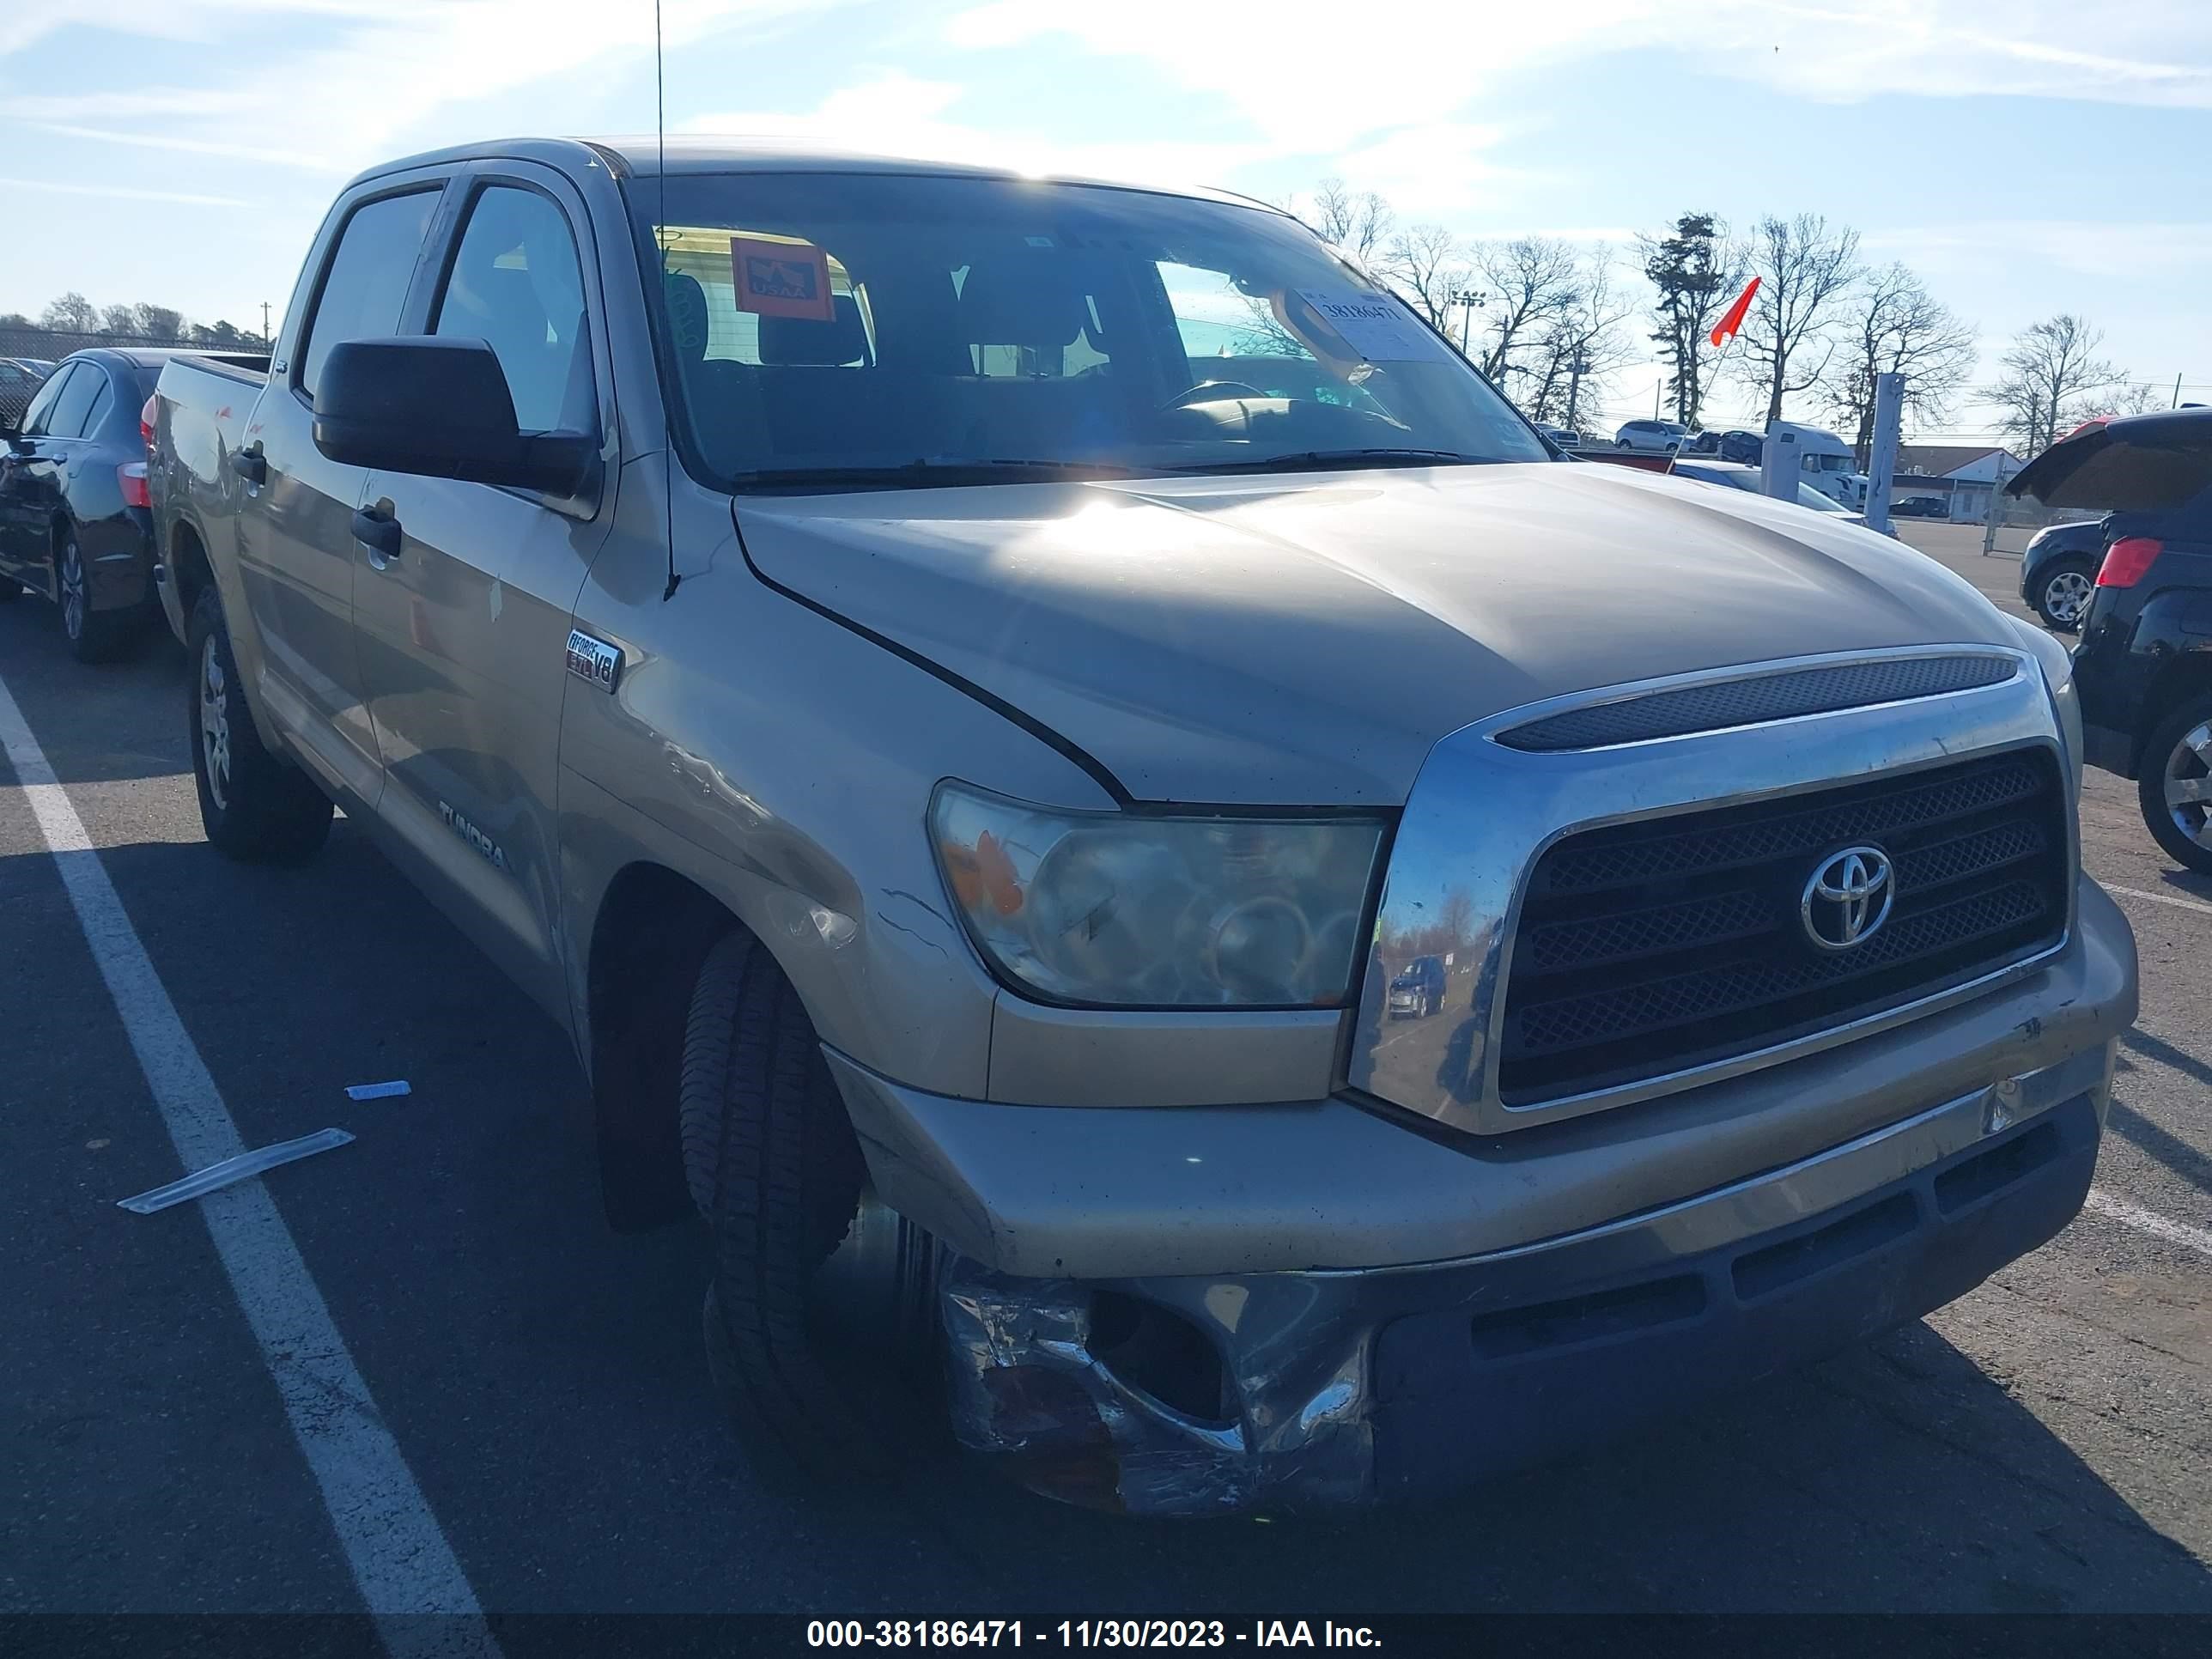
{"x":593,"y":659}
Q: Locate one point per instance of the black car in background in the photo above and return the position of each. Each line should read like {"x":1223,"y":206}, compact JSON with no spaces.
{"x":75,"y":524}
{"x":20,"y":379}
{"x":2144,"y":669}
{"x":2058,"y":576}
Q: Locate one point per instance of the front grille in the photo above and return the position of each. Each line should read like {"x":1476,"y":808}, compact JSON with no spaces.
{"x":1650,"y":948}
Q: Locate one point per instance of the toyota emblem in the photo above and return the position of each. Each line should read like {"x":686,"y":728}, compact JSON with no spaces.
{"x":1848,"y":897}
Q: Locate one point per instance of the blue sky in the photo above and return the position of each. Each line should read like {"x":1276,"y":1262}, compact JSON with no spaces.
{"x":2027,"y":157}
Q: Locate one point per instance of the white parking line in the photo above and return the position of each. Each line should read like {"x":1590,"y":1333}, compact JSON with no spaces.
{"x":2160,"y":898}
{"x":2100,"y":1202}
{"x":400,"y":1558}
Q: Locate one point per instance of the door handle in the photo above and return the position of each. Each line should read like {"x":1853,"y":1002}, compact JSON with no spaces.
{"x":378,"y":532}
{"x":250,"y":465}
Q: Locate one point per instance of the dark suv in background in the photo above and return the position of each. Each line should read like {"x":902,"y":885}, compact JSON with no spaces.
{"x":2144,"y":669}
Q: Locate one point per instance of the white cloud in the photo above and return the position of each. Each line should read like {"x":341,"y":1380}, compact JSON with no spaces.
{"x":897,"y":113}
{"x":381,"y":70}
{"x":1309,"y":75}
{"x":2088,"y":248}
{"x":125,"y":192}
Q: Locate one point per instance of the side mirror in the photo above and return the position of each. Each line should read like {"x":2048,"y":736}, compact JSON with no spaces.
{"x":439,"y":407}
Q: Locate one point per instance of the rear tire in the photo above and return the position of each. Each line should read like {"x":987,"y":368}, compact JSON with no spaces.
{"x":2063,"y":593}
{"x":775,"y":1169}
{"x":93,"y":635}
{"x":255,"y":807}
{"x":2175,"y":785}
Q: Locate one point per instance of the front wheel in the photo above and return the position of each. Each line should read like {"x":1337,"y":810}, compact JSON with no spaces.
{"x":2175,"y":785}
{"x":2062,"y":594}
{"x":821,"y":1308}
{"x":255,"y":807}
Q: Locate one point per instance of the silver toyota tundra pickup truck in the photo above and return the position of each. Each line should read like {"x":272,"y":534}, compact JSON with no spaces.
{"x":907,"y":666}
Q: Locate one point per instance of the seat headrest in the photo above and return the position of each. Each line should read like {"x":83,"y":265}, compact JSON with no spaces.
{"x":687,"y":315}
{"x":796,"y":342}
{"x":1031,"y":299}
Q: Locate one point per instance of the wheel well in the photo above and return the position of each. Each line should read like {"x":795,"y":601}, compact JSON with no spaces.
{"x":2186,"y":675}
{"x":188,"y":567}
{"x":652,"y":930}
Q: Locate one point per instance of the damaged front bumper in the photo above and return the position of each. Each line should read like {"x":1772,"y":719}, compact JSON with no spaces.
{"x":1132,"y":1327}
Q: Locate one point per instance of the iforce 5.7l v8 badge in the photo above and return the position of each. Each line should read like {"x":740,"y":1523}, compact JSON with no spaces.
{"x":594,"y":659}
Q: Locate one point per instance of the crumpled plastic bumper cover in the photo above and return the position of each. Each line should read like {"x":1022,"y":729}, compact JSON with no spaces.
{"x":1349,"y":1388}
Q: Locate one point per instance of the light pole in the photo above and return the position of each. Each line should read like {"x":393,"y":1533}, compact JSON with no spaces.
{"x":1469,"y":302}
{"x":1576,"y":370}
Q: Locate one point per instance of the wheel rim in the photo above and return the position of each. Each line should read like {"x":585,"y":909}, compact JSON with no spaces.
{"x":72,"y":591}
{"x":2066,"y":596}
{"x":214,"y":724}
{"x":2189,"y":784}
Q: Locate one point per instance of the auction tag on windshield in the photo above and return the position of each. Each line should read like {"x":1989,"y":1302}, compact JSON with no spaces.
{"x":781,"y":279}
{"x":1375,"y":325}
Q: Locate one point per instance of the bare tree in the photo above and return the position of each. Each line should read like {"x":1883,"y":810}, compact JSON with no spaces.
{"x":158,"y":322}
{"x":2050,"y":373}
{"x":1585,"y":348}
{"x":1695,"y":270}
{"x":1430,"y":264}
{"x":1893,"y":326}
{"x":1529,"y":284}
{"x":1359,"y":222}
{"x":2139,"y":398}
{"x":72,"y":313}
{"x":119,"y":319}
{"x":1804,"y":270}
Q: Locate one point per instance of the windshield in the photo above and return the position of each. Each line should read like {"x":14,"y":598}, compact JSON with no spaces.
{"x":825,"y":325}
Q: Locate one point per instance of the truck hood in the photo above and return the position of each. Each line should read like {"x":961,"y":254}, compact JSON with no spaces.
{"x":1304,"y":641}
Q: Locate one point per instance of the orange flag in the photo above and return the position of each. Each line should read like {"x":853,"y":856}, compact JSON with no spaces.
{"x":1732,"y":319}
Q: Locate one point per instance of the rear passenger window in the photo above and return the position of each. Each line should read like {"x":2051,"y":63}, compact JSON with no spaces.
{"x":366,"y":284}
{"x":101,"y":404}
{"x":37,"y":418}
{"x":65,"y":419}
{"x":516,"y":285}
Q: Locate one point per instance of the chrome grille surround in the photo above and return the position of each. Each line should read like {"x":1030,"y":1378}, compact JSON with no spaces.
{"x":1482,"y":814}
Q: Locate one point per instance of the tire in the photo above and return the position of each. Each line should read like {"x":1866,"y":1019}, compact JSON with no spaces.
{"x":255,"y":807}
{"x":2176,"y":760}
{"x":1622,"y":443}
{"x":776,"y":1171}
{"x":93,"y":635}
{"x":2062,"y":591}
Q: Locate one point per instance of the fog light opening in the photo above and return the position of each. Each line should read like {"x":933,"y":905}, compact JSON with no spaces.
{"x":1164,"y":1354}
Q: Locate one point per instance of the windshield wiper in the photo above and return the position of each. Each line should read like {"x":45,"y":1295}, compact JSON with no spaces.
{"x":1330,"y":460}
{"x":928,"y":475}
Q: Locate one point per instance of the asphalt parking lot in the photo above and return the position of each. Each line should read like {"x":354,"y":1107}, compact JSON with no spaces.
{"x":2044,"y":1445}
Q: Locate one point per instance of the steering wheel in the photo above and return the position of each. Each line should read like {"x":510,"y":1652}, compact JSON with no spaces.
{"x":1213,"y":389}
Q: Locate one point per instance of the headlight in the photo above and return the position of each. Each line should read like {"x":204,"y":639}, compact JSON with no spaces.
{"x":1139,"y":910}
{"x":2057,"y":666}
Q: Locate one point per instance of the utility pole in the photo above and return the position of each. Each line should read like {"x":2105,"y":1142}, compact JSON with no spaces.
{"x":1657,"y":386}
{"x":1881,"y":458}
{"x":1990,"y":519}
{"x":264,"y":324}
{"x":2176,"y":404}
{"x":1576,"y":370}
